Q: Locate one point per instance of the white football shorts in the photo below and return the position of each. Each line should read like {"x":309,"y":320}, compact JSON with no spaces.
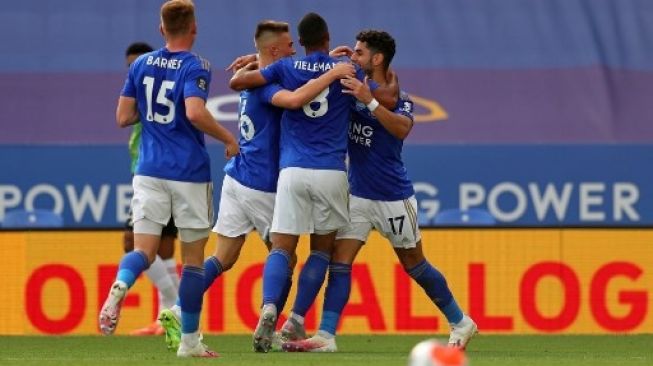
{"x":395,"y":220}
{"x":189,"y":203}
{"x":311,"y":201}
{"x":243,"y":209}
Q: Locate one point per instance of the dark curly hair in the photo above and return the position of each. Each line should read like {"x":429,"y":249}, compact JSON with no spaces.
{"x":379,"y":42}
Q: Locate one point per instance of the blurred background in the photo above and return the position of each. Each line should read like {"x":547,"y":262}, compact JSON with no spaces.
{"x":534,"y":119}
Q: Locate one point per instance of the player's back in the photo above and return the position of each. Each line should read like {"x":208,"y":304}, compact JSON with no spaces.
{"x":314,"y":136}
{"x":376,"y":170}
{"x":171,"y":147}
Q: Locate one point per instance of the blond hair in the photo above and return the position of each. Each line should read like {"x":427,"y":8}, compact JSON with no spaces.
{"x":177,"y":16}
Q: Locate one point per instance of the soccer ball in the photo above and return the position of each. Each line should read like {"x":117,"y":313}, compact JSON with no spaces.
{"x":433,"y":353}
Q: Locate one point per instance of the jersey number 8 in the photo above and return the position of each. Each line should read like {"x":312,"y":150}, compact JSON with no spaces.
{"x":321,"y":99}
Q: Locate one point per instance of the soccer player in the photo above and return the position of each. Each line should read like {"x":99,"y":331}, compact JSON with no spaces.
{"x":167,"y":89}
{"x":382,"y":197}
{"x":312,"y":186}
{"x":312,"y":191}
{"x":163,"y":271}
{"x":250,"y":183}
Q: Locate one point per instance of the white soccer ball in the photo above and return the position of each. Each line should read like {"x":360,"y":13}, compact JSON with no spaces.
{"x":433,"y":353}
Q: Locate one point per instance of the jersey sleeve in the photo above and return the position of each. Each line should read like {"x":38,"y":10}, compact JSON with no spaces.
{"x":197,"y":80}
{"x":360,"y":75}
{"x":273,"y":73}
{"x":404,"y":106}
{"x":129,"y":88}
{"x":268,"y":91}
{"x":373,"y":85}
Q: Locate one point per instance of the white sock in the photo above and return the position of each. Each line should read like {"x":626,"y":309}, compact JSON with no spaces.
{"x":158,"y":274}
{"x":113,"y":299}
{"x":324,"y":334}
{"x":267,"y":307}
{"x":463,"y":321}
{"x":298,"y":318}
{"x":171,"y":266}
{"x":191,"y":339}
{"x":176,"y":309}
{"x":120,"y":283}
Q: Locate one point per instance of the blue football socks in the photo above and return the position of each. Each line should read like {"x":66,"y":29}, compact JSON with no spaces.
{"x":336,"y":296}
{"x":212,"y":270}
{"x":310,"y":281}
{"x":281,"y":303}
{"x":131,"y":266}
{"x":191,"y":293}
{"x":435,"y":286}
{"x":275,"y":276}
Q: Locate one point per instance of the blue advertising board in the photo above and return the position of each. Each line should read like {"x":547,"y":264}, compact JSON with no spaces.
{"x":520,"y":185}
{"x":536,"y":111}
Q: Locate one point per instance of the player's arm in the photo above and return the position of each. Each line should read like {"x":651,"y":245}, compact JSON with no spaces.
{"x":126,"y":113}
{"x":241,"y":62}
{"x":388,"y":94}
{"x":127,"y":110}
{"x":307,"y":92}
{"x":341,"y":51}
{"x":202,"y":119}
{"x":247,"y":77}
{"x":398,"y":125}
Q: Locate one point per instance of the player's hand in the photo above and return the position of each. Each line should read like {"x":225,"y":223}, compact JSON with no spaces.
{"x":358,"y":89}
{"x":231,"y":149}
{"x":241,"y":61}
{"x":341,"y":51}
{"x":342,"y":70}
{"x":251,"y":66}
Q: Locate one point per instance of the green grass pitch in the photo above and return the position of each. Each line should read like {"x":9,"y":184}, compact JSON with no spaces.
{"x":553,"y":350}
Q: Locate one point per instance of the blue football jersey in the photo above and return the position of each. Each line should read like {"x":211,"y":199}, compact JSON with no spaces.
{"x":171,"y":147}
{"x":257,"y":165}
{"x":376,"y":171}
{"x":314,"y":136}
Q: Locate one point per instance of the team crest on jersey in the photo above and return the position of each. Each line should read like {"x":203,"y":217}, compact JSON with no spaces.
{"x":201,"y":83}
{"x":360,"y":106}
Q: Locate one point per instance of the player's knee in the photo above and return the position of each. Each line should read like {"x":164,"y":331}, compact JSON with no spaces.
{"x":323,"y":244}
{"x":192,"y":235}
{"x":286,"y":246}
{"x":344,"y":254}
{"x":409,"y":258}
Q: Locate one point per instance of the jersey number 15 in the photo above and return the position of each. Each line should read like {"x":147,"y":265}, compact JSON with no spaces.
{"x":161,"y":99}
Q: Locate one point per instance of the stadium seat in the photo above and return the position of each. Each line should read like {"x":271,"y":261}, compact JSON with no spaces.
{"x":423,"y":219}
{"x":471,"y":217}
{"x":19,"y":219}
